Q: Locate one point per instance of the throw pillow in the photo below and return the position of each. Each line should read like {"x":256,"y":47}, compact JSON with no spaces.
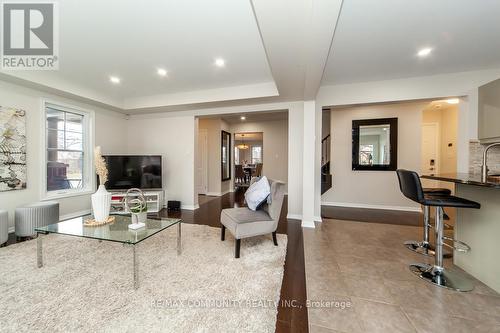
{"x":257,"y":193}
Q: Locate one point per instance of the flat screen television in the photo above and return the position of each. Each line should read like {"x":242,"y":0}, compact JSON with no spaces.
{"x":128,"y":171}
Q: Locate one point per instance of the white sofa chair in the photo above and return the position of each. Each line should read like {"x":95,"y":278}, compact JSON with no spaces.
{"x":244,"y":223}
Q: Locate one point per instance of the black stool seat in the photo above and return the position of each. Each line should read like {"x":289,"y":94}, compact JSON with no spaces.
{"x":449,"y":201}
{"x":437,"y":191}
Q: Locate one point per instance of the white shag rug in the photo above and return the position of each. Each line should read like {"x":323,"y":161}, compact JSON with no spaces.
{"x":87,"y":286}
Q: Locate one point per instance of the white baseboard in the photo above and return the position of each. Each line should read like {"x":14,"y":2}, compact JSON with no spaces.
{"x":307,"y":224}
{"x":299,"y":217}
{"x":358,"y":205}
{"x":217,"y":194}
{"x":75,"y":214}
{"x":190,"y":207}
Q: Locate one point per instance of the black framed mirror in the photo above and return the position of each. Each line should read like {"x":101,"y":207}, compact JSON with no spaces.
{"x":375,"y":144}
{"x":225,"y":155}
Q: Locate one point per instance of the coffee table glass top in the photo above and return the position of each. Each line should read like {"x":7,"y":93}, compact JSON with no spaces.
{"x":115,"y":232}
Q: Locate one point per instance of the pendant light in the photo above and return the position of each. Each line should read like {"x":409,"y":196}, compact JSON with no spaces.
{"x":242,"y":145}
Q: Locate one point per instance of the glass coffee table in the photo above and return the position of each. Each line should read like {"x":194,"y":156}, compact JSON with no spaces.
{"x":117,"y":231}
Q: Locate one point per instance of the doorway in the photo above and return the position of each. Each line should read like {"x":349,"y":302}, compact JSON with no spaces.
{"x":439,"y":141}
{"x":248,"y":157}
{"x":430,"y":148}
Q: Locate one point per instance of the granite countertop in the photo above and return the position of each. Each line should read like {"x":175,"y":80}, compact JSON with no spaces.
{"x":465,"y":178}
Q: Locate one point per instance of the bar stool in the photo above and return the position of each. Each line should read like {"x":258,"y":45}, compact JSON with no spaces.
{"x":424,"y":247}
{"x":437,"y":274}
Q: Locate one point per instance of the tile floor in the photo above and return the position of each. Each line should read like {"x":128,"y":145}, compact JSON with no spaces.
{"x":364,"y":268}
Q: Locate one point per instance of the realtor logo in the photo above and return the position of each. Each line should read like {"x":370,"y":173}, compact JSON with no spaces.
{"x":29,"y":36}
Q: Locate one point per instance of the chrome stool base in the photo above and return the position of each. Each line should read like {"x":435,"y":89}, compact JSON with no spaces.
{"x":443,"y":277}
{"x":424,"y":249}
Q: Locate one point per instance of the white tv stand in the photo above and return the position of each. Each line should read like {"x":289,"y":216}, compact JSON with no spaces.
{"x":154,"y":200}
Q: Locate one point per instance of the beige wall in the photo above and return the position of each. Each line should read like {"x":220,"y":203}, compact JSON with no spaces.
{"x":174,"y":139}
{"x":109,"y":133}
{"x":275,"y":146}
{"x":373,"y":188}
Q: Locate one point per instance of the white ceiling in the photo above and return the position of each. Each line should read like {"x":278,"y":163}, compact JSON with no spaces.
{"x":275,"y":50}
{"x":378,"y":40}
{"x":131,"y":39}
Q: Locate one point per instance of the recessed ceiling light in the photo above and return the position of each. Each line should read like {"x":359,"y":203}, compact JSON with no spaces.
{"x":114,"y":79}
{"x":219,"y":62}
{"x":453,"y":101}
{"x":243,"y":118}
{"x":162,"y":72}
{"x":424,"y":52}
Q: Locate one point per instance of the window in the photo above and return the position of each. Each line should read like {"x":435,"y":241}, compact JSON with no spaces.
{"x":256,"y":154}
{"x":68,"y":151}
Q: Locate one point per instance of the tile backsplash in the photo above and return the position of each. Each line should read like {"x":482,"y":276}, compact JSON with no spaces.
{"x":476,"y":158}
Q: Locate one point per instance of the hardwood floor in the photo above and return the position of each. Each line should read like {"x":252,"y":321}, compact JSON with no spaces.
{"x":292,"y":312}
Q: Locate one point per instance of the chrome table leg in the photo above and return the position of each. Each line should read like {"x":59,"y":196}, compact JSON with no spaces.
{"x":179,"y":241}
{"x":39,"y":254}
{"x":136,"y":267}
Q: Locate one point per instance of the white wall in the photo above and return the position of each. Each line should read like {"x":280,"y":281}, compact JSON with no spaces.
{"x":275,"y":146}
{"x":174,"y":139}
{"x":373,"y":188}
{"x":109,"y":133}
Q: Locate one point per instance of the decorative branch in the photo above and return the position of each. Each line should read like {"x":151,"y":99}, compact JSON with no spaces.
{"x":100,"y":166}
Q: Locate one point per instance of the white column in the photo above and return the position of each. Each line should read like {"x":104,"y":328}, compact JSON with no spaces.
{"x":317,"y":163}
{"x":295,"y":157}
{"x":308,"y":165}
{"x":467,"y":128}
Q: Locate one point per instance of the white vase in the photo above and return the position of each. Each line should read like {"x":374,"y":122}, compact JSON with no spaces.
{"x":101,"y":204}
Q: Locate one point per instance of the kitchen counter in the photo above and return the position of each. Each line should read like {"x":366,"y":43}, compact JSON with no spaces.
{"x":479,"y":228}
{"x":465,"y":178}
